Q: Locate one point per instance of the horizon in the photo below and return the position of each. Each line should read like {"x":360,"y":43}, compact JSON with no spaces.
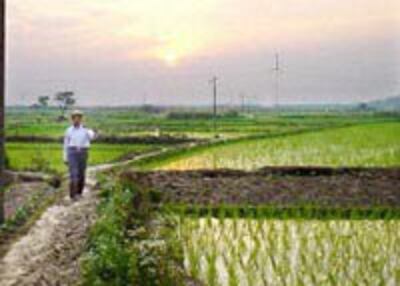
{"x":226,"y":105}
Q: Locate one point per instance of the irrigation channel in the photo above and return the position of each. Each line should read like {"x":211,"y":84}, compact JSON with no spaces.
{"x":49,"y":253}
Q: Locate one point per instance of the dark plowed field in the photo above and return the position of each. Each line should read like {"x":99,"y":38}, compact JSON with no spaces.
{"x":347,"y":187}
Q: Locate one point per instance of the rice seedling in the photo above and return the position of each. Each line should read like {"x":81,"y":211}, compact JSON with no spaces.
{"x":257,"y":251}
{"x":366,"y":145}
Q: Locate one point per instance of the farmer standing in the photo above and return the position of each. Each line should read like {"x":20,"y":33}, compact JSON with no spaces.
{"x":76,"y":146}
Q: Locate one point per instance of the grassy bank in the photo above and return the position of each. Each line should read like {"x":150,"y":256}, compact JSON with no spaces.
{"x":130,"y":244}
{"x":48,"y":156}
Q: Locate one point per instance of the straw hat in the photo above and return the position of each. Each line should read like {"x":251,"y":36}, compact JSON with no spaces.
{"x":76,"y":113}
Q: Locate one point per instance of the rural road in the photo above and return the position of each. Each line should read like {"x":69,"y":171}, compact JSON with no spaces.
{"x":49,"y":254}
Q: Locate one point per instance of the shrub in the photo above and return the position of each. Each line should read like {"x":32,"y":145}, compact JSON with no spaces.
{"x":131,"y":243}
{"x":109,"y":260}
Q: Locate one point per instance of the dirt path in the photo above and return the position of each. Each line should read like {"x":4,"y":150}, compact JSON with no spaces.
{"x":49,"y":253}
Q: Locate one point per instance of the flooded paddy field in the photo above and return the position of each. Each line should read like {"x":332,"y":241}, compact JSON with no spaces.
{"x":291,"y":252}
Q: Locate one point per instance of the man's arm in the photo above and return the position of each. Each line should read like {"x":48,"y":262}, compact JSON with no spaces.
{"x":91,"y":134}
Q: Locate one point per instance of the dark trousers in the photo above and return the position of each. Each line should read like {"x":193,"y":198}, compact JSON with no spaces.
{"x":77,"y":161}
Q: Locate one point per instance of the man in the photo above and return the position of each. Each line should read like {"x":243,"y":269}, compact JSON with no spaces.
{"x":76,"y":147}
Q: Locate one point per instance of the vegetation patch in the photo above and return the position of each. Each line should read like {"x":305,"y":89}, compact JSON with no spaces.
{"x":188,"y":151}
{"x":22,"y":121}
{"x":47,"y":157}
{"x":130,"y":244}
{"x":258,"y":251}
{"x":364,"y":145}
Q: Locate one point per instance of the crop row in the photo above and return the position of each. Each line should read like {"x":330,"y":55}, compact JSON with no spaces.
{"x":291,"y":252}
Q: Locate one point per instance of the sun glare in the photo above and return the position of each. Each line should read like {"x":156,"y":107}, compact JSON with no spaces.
{"x":170,"y":58}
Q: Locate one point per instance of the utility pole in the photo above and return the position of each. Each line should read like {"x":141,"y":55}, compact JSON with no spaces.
{"x":145,"y":99}
{"x":243,"y":102}
{"x":2,"y":104}
{"x":277,"y":70}
{"x":214,"y":82}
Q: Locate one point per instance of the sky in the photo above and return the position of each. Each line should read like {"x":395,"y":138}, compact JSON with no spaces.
{"x":124,"y":52}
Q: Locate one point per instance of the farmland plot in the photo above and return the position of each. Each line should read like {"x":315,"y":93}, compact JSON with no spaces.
{"x":131,"y":122}
{"x":366,"y":145}
{"x":292,"y":252}
{"x":48,"y":156}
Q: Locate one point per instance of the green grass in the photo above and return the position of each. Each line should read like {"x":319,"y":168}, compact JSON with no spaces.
{"x":48,"y":156}
{"x":365,"y":145}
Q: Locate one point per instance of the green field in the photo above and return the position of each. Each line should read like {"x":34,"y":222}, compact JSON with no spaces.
{"x":48,"y":156}
{"x":291,"y":252}
{"x":248,"y":154}
{"x":137,"y":239}
{"x":365,"y":145}
{"x":133,"y":122}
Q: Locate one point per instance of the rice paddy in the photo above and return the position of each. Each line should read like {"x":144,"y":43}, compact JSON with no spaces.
{"x":364,"y":145}
{"x":48,"y":156}
{"x":292,"y":252}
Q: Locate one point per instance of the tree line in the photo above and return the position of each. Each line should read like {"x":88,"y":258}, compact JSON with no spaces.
{"x":64,"y":100}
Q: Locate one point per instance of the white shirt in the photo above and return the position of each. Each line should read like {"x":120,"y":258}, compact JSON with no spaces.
{"x":79,"y":137}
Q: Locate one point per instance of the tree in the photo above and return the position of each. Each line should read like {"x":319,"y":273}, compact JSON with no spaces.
{"x":65,"y":100}
{"x":2,"y":108}
{"x":43,"y":101}
{"x":363,"y":106}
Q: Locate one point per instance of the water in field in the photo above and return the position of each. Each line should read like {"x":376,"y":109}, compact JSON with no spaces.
{"x":289,"y":252}
{"x":367,"y":145}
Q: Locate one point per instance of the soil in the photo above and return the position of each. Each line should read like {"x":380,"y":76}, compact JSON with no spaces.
{"x":20,"y":193}
{"x":49,"y":253}
{"x":349,"y":187}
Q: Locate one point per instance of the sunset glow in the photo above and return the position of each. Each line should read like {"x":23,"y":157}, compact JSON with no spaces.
{"x":170,"y":30}
{"x":138,"y":38}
